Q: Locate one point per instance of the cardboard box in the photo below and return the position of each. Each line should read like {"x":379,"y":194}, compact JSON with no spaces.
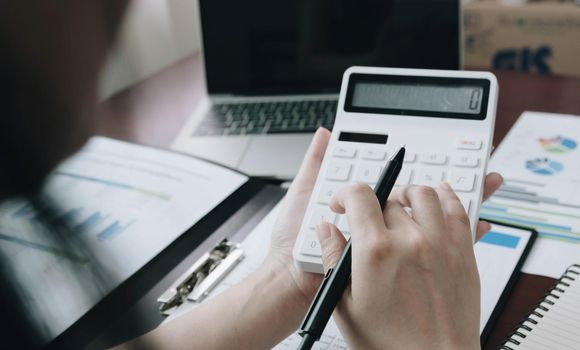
{"x":537,"y":37}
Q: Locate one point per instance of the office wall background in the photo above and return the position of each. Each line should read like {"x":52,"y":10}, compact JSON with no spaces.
{"x":155,"y":34}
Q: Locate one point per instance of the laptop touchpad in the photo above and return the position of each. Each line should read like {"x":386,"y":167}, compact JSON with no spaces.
{"x":277,"y":156}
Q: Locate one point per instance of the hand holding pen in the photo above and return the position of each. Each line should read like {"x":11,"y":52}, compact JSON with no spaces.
{"x":414,"y":279}
{"x":336,"y":279}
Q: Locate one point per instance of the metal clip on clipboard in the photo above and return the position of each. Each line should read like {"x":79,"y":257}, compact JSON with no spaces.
{"x":196,"y":283}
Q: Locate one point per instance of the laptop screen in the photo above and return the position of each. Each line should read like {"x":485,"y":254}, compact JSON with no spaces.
{"x":272,"y":47}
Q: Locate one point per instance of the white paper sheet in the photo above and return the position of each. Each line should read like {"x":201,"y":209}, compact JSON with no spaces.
{"x":540,"y":161}
{"x":126,"y":202}
{"x":495,"y":261}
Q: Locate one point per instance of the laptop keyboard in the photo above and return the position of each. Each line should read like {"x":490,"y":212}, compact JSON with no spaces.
{"x":268,"y":118}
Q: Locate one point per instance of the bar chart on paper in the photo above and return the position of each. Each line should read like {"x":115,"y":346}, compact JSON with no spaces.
{"x":540,"y":162}
{"x":105,"y":225}
{"x":21,"y":230}
{"x":118,"y":197}
{"x":123,"y":203}
{"x":95,"y":209}
{"x":518,"y":204}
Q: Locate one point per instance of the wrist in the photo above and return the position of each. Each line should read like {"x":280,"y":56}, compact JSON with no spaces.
{"x":293,"y":298}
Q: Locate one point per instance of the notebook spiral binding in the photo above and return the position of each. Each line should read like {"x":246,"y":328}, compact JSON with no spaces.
{"x":572,"y":274}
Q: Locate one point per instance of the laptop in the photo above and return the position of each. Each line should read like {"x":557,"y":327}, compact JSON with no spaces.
{"x":273,"y":70}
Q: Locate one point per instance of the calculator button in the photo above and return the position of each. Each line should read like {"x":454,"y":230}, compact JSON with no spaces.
{"x":368,"y":173}
{"x":338,"y":171}
{"x":434,"y":158}
{"x":464,"y":161}
{"x":410,"y":157}
{"x":469,"y":144}
{"x":310,"y":245}
{"x":374,"y":154}
{"x":344,"y":152}
{"x":326,"y":193}
{"x":466,"y":204}
{"x":429,"y":177}
{"x":462,"y":181}
{"x":404,"y":177}
{"x":321,"y":214}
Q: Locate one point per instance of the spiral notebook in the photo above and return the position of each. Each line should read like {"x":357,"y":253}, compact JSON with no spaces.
{"x":555,"y":322}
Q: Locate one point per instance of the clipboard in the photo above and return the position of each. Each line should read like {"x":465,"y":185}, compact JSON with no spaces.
{"x":532,"y":235}
{"x":132,"y":308}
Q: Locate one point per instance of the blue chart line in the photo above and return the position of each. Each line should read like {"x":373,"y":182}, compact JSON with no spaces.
{"x":90,"y":222}
{"x":113,"y":230}
{"x":43,"y":248}
{"x":545,"y":230}
{"x":527,"y":222}
{"x":559,"y":236}
{"x":70,"y":215}
{"x":492,"y":208}
{"x":120,"y":185}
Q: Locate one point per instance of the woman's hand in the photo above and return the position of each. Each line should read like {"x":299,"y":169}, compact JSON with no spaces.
{"x":275,"y":297}
{"x":288,"y":224}
{"x":415,"y":283}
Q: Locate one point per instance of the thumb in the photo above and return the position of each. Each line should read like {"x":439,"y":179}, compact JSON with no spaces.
{"x":332,"y":243}
{"x":483,"y":227}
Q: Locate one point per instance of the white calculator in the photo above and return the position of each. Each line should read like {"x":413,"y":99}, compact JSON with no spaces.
{"x":444,"y":118}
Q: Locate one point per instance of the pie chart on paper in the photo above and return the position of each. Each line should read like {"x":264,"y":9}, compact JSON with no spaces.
{"x":544,"y":166}
{"x":558,"y":144}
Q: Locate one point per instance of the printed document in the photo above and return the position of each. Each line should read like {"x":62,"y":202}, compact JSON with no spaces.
{"x":125,"y":203}
{"x":540,"y":161}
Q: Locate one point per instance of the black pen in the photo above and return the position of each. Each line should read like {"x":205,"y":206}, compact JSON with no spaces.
{"x":336,"y":279}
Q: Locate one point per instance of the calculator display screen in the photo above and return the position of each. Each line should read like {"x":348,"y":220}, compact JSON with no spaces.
{"x":420,"y":96}
{"x":455,"y":99}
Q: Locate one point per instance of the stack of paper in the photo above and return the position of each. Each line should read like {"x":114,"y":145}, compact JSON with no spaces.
{"x":540,"y":160}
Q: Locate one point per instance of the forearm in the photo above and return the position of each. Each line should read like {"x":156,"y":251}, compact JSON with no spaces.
{"x":257,"y":313}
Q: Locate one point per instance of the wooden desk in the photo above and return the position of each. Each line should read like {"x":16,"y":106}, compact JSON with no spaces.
{"x":153,"y":112}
